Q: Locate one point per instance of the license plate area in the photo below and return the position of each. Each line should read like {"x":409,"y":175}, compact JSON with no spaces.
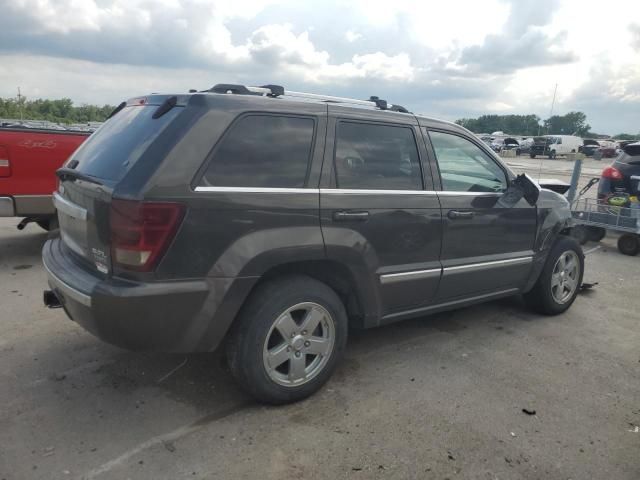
{"x":73,"y":224}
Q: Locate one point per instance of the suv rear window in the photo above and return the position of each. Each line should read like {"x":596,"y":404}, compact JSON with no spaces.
{"x":377,"y":157}
{"x":118,"y":144}
{"x":266,"y":151}
{"x":632,"y":154}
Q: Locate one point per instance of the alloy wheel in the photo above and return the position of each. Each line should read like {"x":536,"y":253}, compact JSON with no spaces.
{"x":565,"y":276}
{"x":299,"y":344}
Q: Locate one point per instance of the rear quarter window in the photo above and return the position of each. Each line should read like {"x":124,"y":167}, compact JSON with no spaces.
{"x":118,"y":144}
{"x":268,"y":151}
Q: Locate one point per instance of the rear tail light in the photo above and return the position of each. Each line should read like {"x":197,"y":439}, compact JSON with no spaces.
{"x":142,"y":231}
{"x":613,"y":173}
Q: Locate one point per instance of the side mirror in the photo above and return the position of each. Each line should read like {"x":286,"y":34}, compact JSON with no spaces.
{"x":523,"y":186}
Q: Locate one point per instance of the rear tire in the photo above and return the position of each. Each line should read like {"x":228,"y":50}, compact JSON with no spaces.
{"x":552,"y":154}
{"x":629,"y":244}
{"x":581,"y":234}
{"x":596,"y":234}
{"x":560,"y":279}
{"x":532,"y":155}
{"x":272,"y":344}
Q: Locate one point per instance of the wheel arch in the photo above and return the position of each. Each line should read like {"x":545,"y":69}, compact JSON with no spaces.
{"x":339,"y":277}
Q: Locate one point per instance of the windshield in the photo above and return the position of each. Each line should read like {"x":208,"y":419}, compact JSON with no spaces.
{"x":118,"y":144}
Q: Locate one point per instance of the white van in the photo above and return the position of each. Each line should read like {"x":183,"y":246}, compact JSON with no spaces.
{"x":563,"y":144}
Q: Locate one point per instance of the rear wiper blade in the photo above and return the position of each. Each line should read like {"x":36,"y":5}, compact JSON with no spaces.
{"x":66,"y":173}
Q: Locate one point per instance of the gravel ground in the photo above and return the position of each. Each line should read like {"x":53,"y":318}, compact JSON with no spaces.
{"x":435,"y":397}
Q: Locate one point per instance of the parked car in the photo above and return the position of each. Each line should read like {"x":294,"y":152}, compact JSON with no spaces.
{"x":497,"y":144}
{"x":589,"y":147}
{"x":563,"y":144}
{"x":511,"y":143}
{"x":540,"y":146}
{"x":622,"y":177}
{"x":29,"y":158}
{"x":525,"y":145}
{"x":270,"y":222}
{"x":608,"y":151}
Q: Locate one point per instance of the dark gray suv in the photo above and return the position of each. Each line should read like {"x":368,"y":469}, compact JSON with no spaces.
{"x":275,"y":220}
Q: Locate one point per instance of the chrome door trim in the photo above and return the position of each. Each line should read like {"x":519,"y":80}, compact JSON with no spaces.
{"x":69,"y":208}
{"x":68,"y":290}
{"x":255,"y":190}
{"x":412,"y":275}
{"x":366,"y":191}
{"x":471,"y":194}
{"x":489,"y":265}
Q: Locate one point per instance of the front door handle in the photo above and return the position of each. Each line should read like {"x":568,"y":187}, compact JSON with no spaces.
{"x":457,"y":215}
{"x":351,"y":216}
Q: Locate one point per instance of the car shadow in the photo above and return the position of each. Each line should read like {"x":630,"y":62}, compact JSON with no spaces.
{"x":21,"y":248}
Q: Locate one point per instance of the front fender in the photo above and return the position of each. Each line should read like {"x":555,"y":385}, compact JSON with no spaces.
{"x":554,"y":219}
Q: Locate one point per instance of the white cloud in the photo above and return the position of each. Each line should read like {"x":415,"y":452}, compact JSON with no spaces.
{"x":458,"y":58}
{"x":352,"y":36}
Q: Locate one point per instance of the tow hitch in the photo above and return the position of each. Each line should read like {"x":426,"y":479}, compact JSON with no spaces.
{"x":50,"y":299}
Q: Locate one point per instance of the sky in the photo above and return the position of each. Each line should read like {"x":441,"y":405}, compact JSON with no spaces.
{"x":447,"y":59}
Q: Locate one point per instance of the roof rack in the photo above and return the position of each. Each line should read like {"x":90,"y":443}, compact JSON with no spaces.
{"x":278,"y":91}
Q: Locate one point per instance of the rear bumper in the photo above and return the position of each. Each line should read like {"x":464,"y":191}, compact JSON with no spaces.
{"x":173,"y":316}
{"x":7,"y":209}
{"x":27,"y":206}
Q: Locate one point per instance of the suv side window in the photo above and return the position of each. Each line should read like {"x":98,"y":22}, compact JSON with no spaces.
{"x":263,"y":151}
{"x":464,"y":167}
{"x":376,"y":157}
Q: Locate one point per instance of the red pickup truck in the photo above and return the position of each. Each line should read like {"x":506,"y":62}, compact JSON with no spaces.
{"x":28,"y":161}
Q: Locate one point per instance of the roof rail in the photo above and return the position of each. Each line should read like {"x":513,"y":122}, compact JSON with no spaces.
{"x":268,"y":90}
{"x":278,"y":91}
{"x":381,"y":104}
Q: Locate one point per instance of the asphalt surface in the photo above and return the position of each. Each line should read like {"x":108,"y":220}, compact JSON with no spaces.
{"x":435,"y":397}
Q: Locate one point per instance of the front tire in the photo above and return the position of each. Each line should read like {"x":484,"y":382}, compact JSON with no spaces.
{"x":560,"y":279}
{"x":288,"y":339}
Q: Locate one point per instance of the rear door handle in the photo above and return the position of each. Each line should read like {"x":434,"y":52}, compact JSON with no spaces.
{"x":457,"y":215}
{"x":351,"y":216}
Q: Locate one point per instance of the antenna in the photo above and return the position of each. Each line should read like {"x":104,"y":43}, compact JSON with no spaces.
{"x":553,"y":101}
{"x":555,"y":90}
{"x":20,"y":97}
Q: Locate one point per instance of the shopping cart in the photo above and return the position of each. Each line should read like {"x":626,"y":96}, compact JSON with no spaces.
{"x":593,"y":218}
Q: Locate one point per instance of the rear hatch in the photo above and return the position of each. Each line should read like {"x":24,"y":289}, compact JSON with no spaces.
{"x":90,"y":176}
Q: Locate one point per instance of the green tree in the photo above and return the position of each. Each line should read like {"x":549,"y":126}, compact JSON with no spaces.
{"x":510,"y":124}
{"x":59,"y":111}
{"x":626,"y":136}
{"x":573,"y":123}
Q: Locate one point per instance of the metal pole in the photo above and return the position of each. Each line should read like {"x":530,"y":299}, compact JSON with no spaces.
{"x":575,"y":178}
